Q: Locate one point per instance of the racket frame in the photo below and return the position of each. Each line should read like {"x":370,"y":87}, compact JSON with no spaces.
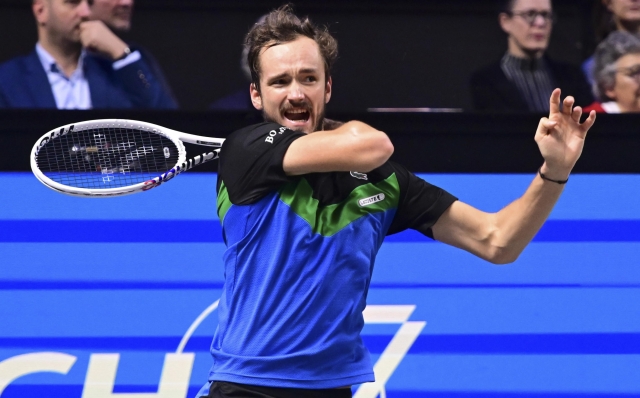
{"x":174,"y":136}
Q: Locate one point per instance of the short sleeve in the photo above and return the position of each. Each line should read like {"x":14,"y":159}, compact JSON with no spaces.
{"x":251,"y":161}
{"x":420,"y":205}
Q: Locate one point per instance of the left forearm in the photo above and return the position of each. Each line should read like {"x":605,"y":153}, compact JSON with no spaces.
{"x":501,"y":237}
{"x":520,"y":221}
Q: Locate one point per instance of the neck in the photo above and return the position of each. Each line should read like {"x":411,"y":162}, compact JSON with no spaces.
{"x":519,"y":52}
{"x":628,"y":26}
{"x":628,"y":108}
{"x":65,"y":53}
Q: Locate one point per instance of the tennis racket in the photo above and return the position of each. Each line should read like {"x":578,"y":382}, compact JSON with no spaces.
{"x":113,"y":157}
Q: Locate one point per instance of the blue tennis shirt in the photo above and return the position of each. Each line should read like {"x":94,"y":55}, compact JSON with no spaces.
{"x":299,"y":259}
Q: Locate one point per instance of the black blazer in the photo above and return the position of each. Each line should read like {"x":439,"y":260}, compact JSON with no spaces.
{"x":492,"y":91}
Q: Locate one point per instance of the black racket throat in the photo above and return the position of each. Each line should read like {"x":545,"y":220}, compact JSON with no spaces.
{"x":184,"y":166}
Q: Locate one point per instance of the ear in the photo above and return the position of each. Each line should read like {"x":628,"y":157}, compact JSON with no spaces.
{"x":256,"y":99}
{"x":327,"y":90}
{"x":504,"y":20}
{"x":611,"y":94}
{"x":607,"y":4}
{"x":40,"y":11}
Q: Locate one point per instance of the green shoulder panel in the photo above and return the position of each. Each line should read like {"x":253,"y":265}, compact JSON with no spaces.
{"x":223,"y":202}
{"x":331,"y":219}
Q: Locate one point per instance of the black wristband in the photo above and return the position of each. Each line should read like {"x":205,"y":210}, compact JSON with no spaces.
{"x":544,"y":177}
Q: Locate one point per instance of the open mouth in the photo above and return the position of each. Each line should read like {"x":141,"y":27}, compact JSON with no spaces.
{"x":297,"y":115}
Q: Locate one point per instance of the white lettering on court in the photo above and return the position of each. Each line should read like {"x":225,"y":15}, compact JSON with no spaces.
{"x":177,"y":368}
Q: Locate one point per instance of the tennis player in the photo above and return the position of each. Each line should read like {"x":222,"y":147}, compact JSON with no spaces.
{"x":304,"y":210}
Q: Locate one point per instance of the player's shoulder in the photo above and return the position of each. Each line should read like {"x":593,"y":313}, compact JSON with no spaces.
{"x":255,"y":136}
{"x":255,"y":130}
{"x":404,"y":177}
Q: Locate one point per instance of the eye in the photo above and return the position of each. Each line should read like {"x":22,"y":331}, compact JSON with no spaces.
{"x":279,"y":82}
{"x":531,"y":14}
{"x":310,"y":79}
{"x":634,"y":71}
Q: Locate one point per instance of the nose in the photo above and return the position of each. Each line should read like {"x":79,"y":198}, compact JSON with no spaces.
{"x":83,"y":10}
{"x":539,"y":20}
{"x":295,"y":92}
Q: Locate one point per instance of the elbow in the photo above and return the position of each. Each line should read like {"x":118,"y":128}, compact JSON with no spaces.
{"x":497,"y":248}
{"x":377,"y":149}
{"x":502,"y":255}
{"x":383,"y":149}
{"x":371,"y":147}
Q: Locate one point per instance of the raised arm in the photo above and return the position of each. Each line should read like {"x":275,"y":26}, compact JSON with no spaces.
{"x":501,"y":237}
{"x":353,"y":146}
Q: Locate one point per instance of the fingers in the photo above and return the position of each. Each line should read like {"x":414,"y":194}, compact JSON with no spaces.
{"x":576,"y":114}
{"x":554,"y":101}
{"x":545,"y":125}
{"x":95,"y":36}
{"x":567,"y":105}
{"x":588,"y":123}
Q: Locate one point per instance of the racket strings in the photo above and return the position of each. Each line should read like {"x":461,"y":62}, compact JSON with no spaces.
{"x":109,"y":157}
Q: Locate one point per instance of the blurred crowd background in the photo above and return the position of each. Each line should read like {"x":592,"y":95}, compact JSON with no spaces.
{"x":441,"y":55}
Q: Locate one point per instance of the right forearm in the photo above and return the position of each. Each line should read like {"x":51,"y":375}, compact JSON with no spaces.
{"x":354,"y":146}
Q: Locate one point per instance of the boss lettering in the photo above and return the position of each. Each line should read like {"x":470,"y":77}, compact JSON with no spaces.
{"x":273,"y":133}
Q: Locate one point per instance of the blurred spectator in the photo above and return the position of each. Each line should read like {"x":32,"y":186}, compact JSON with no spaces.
{"x":611,"y":16}
{"x":525,"y":76}
{"x":78,"y":64}
{"x":117,"y":15}
{"x":239,"y":100}
{"x":617,"y":74}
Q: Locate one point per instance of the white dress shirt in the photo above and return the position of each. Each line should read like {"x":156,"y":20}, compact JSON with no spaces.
{"x":73,"y":92}
{"x":69,"y":92}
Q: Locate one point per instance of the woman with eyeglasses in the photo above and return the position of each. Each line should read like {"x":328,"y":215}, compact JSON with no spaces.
{"x":612,"y":16}
{"x":523,"y":79}
{"x":617,"y":74}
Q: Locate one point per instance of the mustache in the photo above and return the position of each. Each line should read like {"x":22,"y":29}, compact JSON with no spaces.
{"x":303,"y":105}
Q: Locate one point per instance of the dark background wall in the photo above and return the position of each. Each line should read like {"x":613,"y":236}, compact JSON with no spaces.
{"x":392,"y":53}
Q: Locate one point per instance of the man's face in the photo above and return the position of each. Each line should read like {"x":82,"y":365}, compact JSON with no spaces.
{"x":624,"y":10}
{"x":528,"y":26}
{"x":115,"y":13}
{"x":62,"y":18}
{"x":293,"y":91}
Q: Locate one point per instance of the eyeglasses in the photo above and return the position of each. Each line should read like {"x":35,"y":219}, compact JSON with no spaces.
{"x":530,"y":16}
{"x":632,"y":71}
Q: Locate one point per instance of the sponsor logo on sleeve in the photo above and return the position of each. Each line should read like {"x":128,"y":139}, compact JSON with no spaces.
{"x":273,"y":133}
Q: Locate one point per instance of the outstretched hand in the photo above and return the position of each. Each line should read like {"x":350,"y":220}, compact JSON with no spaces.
{"x":561,"y":136}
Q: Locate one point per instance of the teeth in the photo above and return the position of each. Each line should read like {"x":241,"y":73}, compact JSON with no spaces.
{"x":297,"y":111}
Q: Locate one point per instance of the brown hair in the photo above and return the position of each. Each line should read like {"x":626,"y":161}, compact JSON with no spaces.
{"x":603,"y":21}
{"x":282,"y":26}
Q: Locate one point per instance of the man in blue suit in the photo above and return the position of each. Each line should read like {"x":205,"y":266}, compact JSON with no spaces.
{"x":78,"y":64}
{"x":117,"y":15}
